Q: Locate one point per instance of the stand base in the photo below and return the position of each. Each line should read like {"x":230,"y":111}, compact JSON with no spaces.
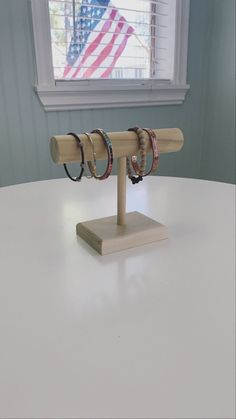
{"x":105,"y":236}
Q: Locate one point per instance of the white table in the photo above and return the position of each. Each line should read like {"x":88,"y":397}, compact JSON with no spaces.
{"x":144,"y":333}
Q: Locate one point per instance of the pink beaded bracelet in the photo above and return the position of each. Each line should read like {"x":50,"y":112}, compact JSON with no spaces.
{"x":155,"y":150}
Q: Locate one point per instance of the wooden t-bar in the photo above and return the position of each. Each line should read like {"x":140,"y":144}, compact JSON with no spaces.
{"x":64,"y":149}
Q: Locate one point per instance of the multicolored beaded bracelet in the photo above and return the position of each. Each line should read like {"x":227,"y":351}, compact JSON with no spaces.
{"x":108,"y":145}
{"x":139,"y":169}
{"x":80,"y":145}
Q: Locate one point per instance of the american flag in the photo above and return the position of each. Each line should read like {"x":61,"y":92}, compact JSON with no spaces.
{"x":100,"y":38}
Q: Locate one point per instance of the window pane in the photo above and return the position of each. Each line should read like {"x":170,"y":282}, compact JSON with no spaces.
{"x":93,"y":39}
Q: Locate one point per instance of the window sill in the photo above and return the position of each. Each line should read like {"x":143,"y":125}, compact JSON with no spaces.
{"x":86,"y":95}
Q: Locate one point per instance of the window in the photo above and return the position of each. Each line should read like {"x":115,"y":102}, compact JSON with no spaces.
{"x":119,"y":40}
{"x":98,"y":53}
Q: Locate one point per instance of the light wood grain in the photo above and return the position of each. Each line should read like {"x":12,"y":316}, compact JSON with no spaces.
{"x":105,"y":236}
{"x":121,"y":191}
{"x":63,"y":148}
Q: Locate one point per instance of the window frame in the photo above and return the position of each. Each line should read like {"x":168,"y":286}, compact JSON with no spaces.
{"x":94,"y":94}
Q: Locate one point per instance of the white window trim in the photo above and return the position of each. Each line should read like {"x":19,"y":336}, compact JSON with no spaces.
{"x":91,"y":94}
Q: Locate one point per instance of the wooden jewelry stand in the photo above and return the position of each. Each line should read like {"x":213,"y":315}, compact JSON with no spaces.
{"x":115,"y":233}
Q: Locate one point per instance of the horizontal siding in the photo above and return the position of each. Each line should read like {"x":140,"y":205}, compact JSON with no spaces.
{"x":218,"y":153}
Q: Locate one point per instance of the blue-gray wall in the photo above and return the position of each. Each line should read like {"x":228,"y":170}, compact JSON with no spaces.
{"x":218,"y":144}
{"x":25,"y":127}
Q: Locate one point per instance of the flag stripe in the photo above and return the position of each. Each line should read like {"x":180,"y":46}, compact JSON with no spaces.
{"x":118,"y":53}
{"x":106,"y":51}
{"x":94,"y":51}
{"x":94,"y":33}
{"x":99,"y":48}
{"x":91,"y":48}
{"x":109,"y":59}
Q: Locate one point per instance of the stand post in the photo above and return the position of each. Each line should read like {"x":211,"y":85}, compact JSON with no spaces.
{"x":121,"y":191}
{"x":121,"y":231}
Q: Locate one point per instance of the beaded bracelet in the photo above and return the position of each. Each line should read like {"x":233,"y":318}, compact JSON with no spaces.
{"x":155,"y":150}
{"x":80,"y":145}
{"x":108,"y":146}
{"x":139,"y":169}
{"x":134,"y":179}
{"x":91,"y":164}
